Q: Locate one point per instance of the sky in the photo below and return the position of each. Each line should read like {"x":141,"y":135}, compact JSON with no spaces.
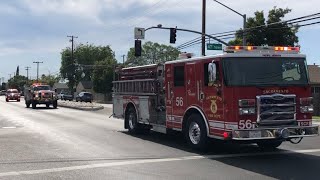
{"x":37,"y":30}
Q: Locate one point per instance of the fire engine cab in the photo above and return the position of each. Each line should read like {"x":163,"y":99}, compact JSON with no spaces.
{"x":249,"y":93}
{"x":39,"y":93}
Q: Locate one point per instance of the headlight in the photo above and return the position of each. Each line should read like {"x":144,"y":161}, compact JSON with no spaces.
{"x":247,"y":111}
{"x":306,"y":109}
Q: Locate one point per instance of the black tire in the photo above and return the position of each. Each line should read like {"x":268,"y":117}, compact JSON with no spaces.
{"x":47,"y":105}
{"x":7,"y":100}
{"x":27,"y":104}
{"x":196,"y":132}
{"x":131,"y":119}
{"x":18,"y":100}
{"x":269,"y":145}
{"x":34,"y":105}
{"x":55,"y":104}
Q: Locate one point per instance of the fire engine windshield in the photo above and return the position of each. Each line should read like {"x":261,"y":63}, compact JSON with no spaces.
{"x":39,"y":88}
{"x":255,"y":71}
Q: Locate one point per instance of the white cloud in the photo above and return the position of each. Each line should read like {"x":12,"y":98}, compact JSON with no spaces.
{"x":111,"y":22}
{"x":76,"y":8}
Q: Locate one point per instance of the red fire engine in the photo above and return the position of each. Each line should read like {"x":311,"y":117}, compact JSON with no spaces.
{"x":249,"y":93}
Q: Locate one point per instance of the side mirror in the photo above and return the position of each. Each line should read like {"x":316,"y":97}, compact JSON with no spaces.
{"x":212,"y":72}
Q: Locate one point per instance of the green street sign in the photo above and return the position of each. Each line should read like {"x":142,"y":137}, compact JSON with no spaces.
{"x":212,"y":46}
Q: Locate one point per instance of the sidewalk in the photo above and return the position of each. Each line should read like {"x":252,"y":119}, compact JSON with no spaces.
{"x":80,"y":105}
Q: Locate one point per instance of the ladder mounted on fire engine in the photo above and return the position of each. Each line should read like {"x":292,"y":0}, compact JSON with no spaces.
{"x":140,"y":80}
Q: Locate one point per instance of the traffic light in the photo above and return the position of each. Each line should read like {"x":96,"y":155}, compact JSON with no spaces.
{"x":173,"y":35}
{"x":137,"y":48}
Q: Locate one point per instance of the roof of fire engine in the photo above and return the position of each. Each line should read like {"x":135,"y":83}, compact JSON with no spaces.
{"x":255,"y":53}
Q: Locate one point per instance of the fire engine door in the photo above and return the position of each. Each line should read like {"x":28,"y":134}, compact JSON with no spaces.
{"x":191,"y":84}
{"x":212,"y":92}
{"x":178,"y":95}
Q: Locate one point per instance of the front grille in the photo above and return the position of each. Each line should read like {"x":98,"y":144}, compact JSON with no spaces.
{"x":276,"y":109}
{"x":46,"y":95}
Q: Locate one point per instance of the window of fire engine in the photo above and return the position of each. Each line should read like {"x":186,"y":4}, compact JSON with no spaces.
{"x":211,"y":73}
{"x":178,"y":76}
{"x":39,"y":88}
{"x":265,"y":71}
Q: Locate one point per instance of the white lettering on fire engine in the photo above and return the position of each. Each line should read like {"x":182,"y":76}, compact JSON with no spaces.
{"x":179,"y":101}
{"x":246,"y":124}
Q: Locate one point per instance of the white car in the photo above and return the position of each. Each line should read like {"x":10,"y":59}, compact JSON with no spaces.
{"x":60,"y":95}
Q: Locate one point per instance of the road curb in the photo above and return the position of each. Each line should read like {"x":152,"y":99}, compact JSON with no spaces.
{"x":316,"y":122}
{"x":82,"y":108}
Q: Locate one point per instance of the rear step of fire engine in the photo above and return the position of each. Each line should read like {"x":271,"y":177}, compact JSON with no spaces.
{"x":159,"y":128}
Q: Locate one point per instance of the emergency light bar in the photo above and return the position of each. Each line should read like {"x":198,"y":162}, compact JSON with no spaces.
{"x":261,"y":48}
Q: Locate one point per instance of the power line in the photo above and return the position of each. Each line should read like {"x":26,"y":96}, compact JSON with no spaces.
{"x":195,"y":41}
{"x":305,"y":18}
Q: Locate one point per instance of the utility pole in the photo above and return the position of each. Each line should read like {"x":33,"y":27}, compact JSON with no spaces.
{"x":37,"y":62}
{"x":203,"y":47}
{"x":72,"y":46}
{"x":10,"y":76}
{"x":123,"y":58}
{"x":27,"y":69}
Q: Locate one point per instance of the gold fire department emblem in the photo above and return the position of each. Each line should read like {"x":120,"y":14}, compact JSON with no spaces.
{"x":214,"y":107}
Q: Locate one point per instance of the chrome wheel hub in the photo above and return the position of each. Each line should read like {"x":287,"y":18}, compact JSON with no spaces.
{"x":131,"y":121}
{"x":194,"y":133}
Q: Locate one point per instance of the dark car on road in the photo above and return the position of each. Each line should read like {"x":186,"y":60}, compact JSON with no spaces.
{"x":84,"y":97}
{"x":67,"y":96}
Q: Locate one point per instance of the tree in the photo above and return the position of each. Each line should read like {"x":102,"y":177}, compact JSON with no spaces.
{"x":270,"y":32}
{"x":73,"y":70}
{"x":152,"y":53}
{"x":17,"y":82}
{"x":50,"y":79}
{"x":103,"y":75}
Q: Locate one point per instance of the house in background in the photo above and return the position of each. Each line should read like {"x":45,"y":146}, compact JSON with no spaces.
{"x":60,"y":87}
{"x":314,"y":76}
{"x":84,"y":86}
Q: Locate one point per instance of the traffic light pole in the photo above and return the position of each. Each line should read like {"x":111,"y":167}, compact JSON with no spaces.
{"x":192,"y":31}
{"x":244,"y":16}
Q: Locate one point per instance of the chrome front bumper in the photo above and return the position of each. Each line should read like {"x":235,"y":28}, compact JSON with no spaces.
{"x":276,"y":133}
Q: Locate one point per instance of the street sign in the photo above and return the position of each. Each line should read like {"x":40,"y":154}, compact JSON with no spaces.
{"x":212,"y":46}
{"x":139,"y":33}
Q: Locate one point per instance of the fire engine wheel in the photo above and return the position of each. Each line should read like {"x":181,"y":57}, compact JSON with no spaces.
{"x":132,"y":121}
{"x":34,"y":105}
{"x":195,"y":132}
{"x":55,"y":104}
{"x":269,"y":145}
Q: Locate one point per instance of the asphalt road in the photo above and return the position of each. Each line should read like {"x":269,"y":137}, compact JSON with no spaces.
{"x":71,"y":144}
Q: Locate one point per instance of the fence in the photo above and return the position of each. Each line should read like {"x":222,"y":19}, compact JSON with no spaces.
{"x":102,"y":98}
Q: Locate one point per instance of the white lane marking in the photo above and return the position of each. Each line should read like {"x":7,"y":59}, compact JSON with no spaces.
{"x":9,"y":127}
{"x":145,"y":161}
